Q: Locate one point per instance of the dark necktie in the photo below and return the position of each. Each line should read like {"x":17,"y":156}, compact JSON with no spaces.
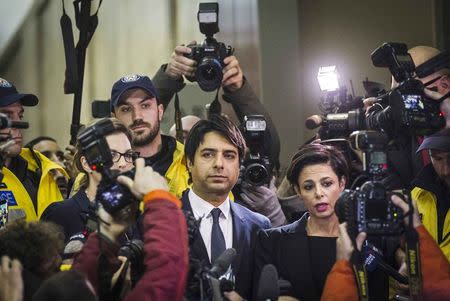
{"x":217,"y":238}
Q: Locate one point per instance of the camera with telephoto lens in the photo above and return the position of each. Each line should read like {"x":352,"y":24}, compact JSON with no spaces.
{"x":369,"y":208}
{"x":210,"y":54}
{"x":256,"y":168}
{"x":113,"y":196}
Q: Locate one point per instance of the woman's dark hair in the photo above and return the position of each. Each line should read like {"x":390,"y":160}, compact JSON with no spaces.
{"x":315,"y":153}
{"x":216,"y":123}
{"x":118,"y":126}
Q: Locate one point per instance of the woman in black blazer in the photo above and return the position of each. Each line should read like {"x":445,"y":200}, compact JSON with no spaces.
{"x":304,"y":252}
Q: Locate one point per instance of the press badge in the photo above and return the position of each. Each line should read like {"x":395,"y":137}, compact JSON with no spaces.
{"x":9,"y":196}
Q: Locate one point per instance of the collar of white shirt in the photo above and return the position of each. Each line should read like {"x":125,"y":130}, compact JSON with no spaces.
{"x":202,"y":208}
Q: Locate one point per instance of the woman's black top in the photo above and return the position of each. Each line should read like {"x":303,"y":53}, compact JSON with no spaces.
{"x":322,"y":253}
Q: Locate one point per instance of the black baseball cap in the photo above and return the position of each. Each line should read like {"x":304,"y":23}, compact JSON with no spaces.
{"x":9,"y":95}
{"x":439,"y":141}
{"x":129,"y":82}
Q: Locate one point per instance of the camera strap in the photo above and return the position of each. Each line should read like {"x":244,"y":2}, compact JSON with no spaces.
{"x":360,"y":273}
{"x":215,"y":108}
{"x":178,"y":123}
{"x":413,"y":262}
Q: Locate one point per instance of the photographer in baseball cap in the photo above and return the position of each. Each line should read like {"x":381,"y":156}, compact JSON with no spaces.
{"x":28,"y":183}
{"x":432,"y":189}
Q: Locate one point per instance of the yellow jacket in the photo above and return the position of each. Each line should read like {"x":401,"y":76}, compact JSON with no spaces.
{"x":177,"y":175}
{"x":17,"y":195}
{"x":426,"y":204}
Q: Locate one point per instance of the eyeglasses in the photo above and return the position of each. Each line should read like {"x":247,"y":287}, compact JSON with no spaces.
{"x":129,"y":156}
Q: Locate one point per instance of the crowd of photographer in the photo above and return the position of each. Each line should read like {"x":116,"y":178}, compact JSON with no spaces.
{"x":129,"y":213}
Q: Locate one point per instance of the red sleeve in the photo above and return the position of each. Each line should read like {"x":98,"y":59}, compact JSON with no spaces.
{"x":166,"y":250}
{"x":86,"y":262}
{"x":435,"y":268}
{"x":340,"y":284}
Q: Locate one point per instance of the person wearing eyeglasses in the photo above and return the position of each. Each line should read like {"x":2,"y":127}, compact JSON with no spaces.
{"x":72,"y":213}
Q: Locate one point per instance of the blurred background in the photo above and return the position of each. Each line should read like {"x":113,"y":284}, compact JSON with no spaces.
{"x":280,"y":46}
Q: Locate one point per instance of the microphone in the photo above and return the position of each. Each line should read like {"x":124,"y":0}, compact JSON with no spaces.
{"x":222,"y":263}
{"x":5,"y":122}
{"x":374,"y":259}
{"x":268,"y":289}
{"x":314,"y":121}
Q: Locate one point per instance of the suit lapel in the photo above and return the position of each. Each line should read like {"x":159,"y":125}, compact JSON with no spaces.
{"x":197,"y":248}
{"x":238,"y":234}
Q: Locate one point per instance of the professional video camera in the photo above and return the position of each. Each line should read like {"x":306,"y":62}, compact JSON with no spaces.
{"x":113,"y":196}
{"x":403,"y":110}
{"x":257,"y":167}
{"x":341,"y":112}
{"x":210,"y":54}
{"x":369,"y":208}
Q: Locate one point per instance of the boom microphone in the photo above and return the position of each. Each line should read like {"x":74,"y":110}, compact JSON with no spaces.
{"x":5,"y":122}
{"x":222,"y":263}
{"x":313,"y":122}
{"x":268,"y":289}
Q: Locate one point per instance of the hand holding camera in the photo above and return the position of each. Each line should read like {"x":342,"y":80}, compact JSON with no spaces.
{"x":180,"y":64}
{"x":344,"y":246}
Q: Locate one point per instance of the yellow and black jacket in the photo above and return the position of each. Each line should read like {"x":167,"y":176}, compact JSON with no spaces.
{"x":171,"y":163}
{"x":47,"y":192}
{"x":433,"y":198}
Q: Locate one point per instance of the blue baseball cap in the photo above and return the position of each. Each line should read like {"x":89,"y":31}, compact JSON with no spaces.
{"x":439,"y":141}
{"x":9,"y":95}
{"x":129,"y":82}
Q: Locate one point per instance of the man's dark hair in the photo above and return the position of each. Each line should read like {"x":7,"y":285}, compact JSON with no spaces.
{"x":65,"y":286}
{"x":31,"y":242}
{"x":216,"y":123}
{"x":37,"y":140}
{"x":315,"y":153}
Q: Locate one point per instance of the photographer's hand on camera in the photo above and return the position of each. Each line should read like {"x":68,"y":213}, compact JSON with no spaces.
{"x":400,"y":203}
{"x":69,"y":154}
{"x":179,"y":65}
{"x":344,"y":245}
{"x":233,"y":78}
{"x":145,"y":180}
{"x":263,"y":200}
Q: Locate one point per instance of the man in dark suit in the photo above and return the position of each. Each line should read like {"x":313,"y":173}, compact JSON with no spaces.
{"x":214,"y":149}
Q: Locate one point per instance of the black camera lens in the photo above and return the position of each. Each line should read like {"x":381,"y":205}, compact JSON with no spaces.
{"x":209,"y":74}
{"x":256,"y":174}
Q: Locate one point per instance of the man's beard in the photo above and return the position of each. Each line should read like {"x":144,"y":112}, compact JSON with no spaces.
{"x":143,"y":140}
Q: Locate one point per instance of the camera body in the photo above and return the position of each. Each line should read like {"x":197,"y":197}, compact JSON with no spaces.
{"x":113,"y":196}
{"x":256,"y":168}
{"x":369,"y":208}
{"x":210,"y":54}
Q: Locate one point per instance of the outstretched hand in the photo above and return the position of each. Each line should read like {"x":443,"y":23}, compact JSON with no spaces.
{"x":11,"y":288}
